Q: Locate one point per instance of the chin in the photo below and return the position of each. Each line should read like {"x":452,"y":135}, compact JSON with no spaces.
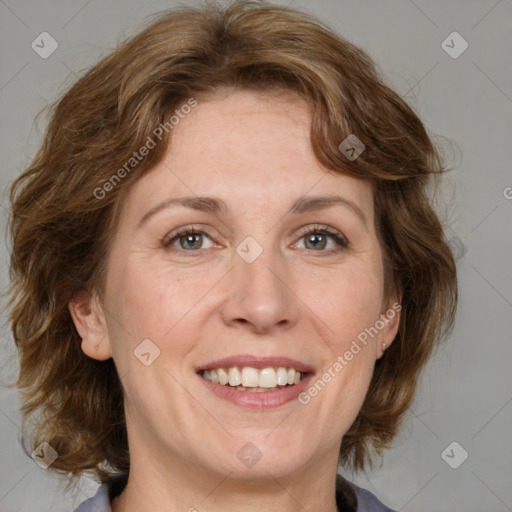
{"x":269,"y":455}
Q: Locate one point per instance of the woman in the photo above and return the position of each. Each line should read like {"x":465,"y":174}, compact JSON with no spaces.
{"x":226,"y":269}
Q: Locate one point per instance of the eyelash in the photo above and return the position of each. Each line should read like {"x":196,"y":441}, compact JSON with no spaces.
{"x":338,"y":238}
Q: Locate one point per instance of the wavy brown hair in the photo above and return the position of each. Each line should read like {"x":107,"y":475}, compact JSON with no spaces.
{"x":60,"y":229}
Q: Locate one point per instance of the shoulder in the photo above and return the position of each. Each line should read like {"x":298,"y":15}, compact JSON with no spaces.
{"x":100,"y":502}
{"x":368,"y":502}
{"x":364,"y":500}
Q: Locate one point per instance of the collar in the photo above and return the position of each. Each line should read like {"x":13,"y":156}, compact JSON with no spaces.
{"x":346,"y":499}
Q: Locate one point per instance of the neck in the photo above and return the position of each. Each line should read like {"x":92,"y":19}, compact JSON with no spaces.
{"x":192,"y":489}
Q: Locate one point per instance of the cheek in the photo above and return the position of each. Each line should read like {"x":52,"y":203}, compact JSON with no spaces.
{"x":351,"y":308}
{"x":154,"y":304}
{"x":346,"y":301}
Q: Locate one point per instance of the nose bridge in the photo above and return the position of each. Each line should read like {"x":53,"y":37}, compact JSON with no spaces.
{"x":259,"y":295}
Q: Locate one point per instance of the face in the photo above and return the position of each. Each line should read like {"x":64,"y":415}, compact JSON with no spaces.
{"x":224,"y":260}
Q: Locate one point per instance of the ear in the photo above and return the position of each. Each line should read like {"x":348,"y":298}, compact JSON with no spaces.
{"x":390,"y":317}
{"x":89,"y":319}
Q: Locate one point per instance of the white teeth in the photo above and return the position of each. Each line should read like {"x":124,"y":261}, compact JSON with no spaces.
{"x":250,"y":377}
{"x":268,"y":378}
{"x":282,"y":376}
{"x":223,"y":376}
{"x":234,"y":377}
{"x":253,"y":379}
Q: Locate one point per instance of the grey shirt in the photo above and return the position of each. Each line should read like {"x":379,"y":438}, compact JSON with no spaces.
{"x":349,"y":498}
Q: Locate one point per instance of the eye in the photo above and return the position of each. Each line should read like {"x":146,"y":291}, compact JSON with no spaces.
{"x":318,"y":238}
{"x":187,"y":239}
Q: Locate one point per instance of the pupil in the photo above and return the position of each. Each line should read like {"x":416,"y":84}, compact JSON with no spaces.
{"x":190,"y":238}
{"x":314,"y":238}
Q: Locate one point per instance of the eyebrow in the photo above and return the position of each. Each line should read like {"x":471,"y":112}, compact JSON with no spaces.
{"x":215,"y":206}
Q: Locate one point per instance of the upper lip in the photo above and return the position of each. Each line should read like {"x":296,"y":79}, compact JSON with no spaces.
{"x":257,"y":362}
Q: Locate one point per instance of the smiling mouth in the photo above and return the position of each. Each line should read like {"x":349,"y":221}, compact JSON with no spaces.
{"x":254,"y":380}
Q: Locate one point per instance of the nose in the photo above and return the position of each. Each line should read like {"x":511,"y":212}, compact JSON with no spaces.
{"x":260,"y":296}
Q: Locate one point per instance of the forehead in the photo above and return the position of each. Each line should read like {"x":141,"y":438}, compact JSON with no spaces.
{"x":248,"y":149}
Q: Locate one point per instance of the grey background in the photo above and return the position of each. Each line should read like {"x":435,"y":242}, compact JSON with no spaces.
{"x":466,"y":393}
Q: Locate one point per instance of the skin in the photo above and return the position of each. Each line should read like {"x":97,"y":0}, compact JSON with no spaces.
{"x":298,"y":299}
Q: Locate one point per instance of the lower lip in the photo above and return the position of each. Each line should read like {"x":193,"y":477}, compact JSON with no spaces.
{"x":258,"y":400}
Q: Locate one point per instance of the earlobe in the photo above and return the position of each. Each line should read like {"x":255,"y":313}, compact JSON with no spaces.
{"x":89,"y":319}
{"x":391,"y":320}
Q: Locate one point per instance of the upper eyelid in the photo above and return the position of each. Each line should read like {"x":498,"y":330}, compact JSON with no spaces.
{"x":301,"y":232}
{"x":320,"y":227}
